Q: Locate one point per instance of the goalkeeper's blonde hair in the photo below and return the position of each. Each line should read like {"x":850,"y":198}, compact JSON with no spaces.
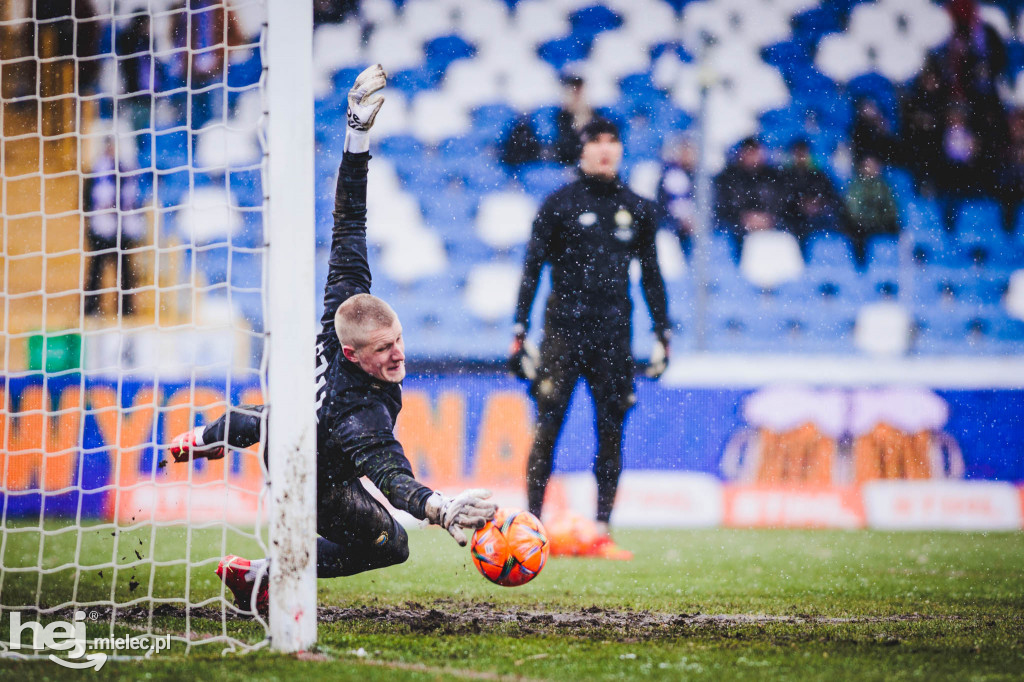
{"x":359,"y":316}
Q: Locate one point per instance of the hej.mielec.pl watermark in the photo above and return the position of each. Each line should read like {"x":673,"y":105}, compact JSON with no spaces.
{"x":70,"y":637}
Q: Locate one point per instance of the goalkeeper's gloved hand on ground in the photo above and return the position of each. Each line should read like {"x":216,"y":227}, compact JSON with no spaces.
{"x":364,"y":99}
{"x":469,"y":510}
{"x":523,"y":359}
{"x":659,"y":355}
{"x":189,"y":445}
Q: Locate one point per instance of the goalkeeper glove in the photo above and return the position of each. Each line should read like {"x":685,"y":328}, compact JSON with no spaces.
{"x":659,"y":355}
{"x":467,"y":510}
{"x":364,"y":99}
{"x":523,"y":358}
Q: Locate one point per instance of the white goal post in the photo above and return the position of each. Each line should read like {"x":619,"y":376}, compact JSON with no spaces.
{"x":292,"y":427}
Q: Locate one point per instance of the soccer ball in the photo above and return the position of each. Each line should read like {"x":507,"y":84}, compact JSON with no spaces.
{"x":511,"y":549}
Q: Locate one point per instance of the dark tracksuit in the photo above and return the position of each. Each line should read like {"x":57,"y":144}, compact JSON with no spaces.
{"x":355,"y":416}
{"x":589,"y":231}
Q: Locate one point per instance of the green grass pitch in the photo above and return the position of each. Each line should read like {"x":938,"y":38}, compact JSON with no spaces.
{"x":707,"y":604}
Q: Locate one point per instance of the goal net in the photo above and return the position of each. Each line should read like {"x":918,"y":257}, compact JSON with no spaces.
{"x":137,"y":247}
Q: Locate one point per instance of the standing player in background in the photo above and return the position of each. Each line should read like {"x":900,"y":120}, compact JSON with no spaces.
{"x":360,"y":358}
{"x":589,"y":232}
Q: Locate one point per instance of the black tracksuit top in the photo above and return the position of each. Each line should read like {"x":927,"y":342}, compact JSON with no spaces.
{"x":589,"y":231}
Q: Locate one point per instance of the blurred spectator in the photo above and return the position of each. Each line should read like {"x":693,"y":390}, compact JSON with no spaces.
{"x":575,"y":113}
{"x":924,"y":116}
{"x":965,"y":171}
{"x":1010,"y":179}
{"x":871,"y":134}
{"x":812,"y":202}
{"x":75,"y":33}
{"x":676,"y":190}
{"x":974,"y":57}
{"x":202,"y":26}
{"x":749,"y":194}
{"x":520,"y":145}
{"x":136,"y":69}
{"x":115,"y":224}
{"x":333,"y":11}
{"x":870,"y":207}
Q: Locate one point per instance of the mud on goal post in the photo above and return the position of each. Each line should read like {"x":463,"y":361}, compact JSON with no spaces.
{"x":157,"y":259}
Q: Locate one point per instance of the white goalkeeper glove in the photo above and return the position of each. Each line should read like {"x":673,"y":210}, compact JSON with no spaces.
{"x":659,"y":356}
{"x":364,"y":99}
{"x":523,"y":357}
{"x":467,"y":510}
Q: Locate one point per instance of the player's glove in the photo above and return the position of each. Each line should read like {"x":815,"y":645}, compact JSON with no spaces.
{"x":467,"y":510}
{"x":659,"y":355}
{"x":523,"y":359}
{"x":189,"y":445}
{"x":364,"y":99}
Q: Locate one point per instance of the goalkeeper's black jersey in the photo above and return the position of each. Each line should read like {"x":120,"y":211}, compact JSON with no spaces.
{"x":355,"y":412}
{"x":589,"y":231}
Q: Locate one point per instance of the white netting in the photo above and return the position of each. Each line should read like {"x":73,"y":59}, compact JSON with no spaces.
{"x":133,"y":268}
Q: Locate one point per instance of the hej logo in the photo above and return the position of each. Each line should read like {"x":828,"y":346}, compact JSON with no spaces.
{"x":70,"y":637}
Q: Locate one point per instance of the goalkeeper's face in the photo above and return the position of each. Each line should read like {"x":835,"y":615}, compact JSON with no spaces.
{"x":602,"y":156}
{"x":383,"y":355}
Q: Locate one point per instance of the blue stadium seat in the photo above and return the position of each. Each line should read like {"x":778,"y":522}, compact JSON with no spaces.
{"x":561,"y":51}
{"x":412,"y":81}
{"x":589,"y":21}
{"x":540,"y":180}
{"x":440,"y":52}
{"x":876,"y":87}
{"x":493,"y":120}
{"x":979,"y":234}
{"x":829,"y":249}
{"x":247,"y":72}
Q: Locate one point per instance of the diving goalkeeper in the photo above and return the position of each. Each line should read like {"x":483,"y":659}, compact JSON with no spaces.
{"x":360,"y":365}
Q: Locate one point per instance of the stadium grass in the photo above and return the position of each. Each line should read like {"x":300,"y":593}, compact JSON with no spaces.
{"x":840,"y":605}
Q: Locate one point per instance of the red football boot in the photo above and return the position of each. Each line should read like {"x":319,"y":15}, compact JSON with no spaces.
{"x":603,"y":547}
{"x":183,"y":447}
{"x":240,"y":577}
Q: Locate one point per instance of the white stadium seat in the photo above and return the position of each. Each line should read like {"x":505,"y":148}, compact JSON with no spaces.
{"x":336,"y":46}
{"x":619,"y":54}
{"x":995,"y":17}
{"x":436,"y":118}
{"x":900,"y":61}
{"x":840,"y":58}
{"x":377,"y":11}
{"x":481,"y":20}
{"x":505,"y":219}
{"x":209,"y":218}
{"x":472,"y":82}
{"x":534,"y":84}
{"x":644,"y":178}
{"x":223,"y":146}
{"x":393,"y":46}
{"x":538,"y":21}
{"x":427,"y":19}
{"x":492,"y":290}
{"x":393,"y":118}
{"x":649,"y":21}
{"x":391,"y":216}
{"x":702,"y":20}
{"x":771,"y":257}
{"x":417,"y":255}
{"x":882,"y":328}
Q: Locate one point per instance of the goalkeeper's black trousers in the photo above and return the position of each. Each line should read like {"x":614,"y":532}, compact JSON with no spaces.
{"x":357,"y":533}
{"x":605,"y":361}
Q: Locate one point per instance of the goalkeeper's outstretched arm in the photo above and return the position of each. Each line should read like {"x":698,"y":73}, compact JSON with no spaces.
{"x":348,"y":271}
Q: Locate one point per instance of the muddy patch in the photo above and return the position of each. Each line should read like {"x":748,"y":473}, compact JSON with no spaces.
{"x":459,"y":617}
